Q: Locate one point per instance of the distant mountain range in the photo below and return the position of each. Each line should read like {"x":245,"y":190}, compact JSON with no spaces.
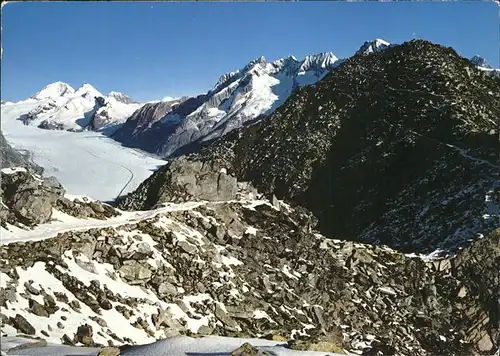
{"x":179,"y":126}
{"x":58,"y":106}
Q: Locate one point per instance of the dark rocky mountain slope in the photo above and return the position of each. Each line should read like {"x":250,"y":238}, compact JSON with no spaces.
{"x":399,"y":147}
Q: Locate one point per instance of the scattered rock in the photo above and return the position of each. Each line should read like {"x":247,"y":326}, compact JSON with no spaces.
{"x":248,"y":350}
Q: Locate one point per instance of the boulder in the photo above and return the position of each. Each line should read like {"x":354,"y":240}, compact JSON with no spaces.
{"x":167,"y":289}
{"x":135,"y":272}
{"x":228,"y":322}
{"x":21,"y":324}
{"x":109,"y":351}
{"x":37,"y":309}
{"x":181,"y":180}
{"x":248,"y":350}
{"x":30,"y":199}
{"x":187,"y":247}
{"x":84,"y":335}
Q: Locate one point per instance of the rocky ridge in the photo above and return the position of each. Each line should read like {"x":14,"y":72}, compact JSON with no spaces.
{"x":238,"y":99}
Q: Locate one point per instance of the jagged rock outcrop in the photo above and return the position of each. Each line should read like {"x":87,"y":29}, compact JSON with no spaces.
{"x":28,"y":199}
{"x":48,"y":125}
{"x":98,"y":118}
{"x":249,"y":269}
{"x":182,"y":180}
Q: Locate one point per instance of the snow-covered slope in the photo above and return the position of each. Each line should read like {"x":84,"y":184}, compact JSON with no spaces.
{"x":53,"y":91}
{"x":172,"y":346}
{"x":59,"y":106}
{"x":86,"y":163}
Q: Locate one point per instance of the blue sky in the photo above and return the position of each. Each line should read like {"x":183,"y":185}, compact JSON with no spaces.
{"x":152,"y":50}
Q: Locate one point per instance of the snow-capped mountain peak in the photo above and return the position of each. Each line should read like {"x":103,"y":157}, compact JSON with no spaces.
{"x":58,"y":106}
{"x":54,"y":90}
{"x":120,"y":97}
{"x":376,"y":45}
{"x":88,"y":91}
{"x":318,"y":61}
{"x":480,"y":62}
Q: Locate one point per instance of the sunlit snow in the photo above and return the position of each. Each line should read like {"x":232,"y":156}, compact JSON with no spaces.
{"x":86,"y":163}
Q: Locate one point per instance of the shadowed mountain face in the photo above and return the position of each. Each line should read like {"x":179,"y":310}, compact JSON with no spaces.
{"x":141,"y":130}
{"x":399,"y":147}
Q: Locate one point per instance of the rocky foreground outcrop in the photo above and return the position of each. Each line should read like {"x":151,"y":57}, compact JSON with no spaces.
{"x":182,"y":180}
{"x":29,"y":199}
{"x":249,"y":269}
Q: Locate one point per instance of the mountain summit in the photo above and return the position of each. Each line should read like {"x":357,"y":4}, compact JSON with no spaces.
{"x":53,"y":91}
{"x":373,"y":46}
{"x":480,"y":62}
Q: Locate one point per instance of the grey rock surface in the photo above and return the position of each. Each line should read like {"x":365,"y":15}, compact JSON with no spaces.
{"x":183,"y":179}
